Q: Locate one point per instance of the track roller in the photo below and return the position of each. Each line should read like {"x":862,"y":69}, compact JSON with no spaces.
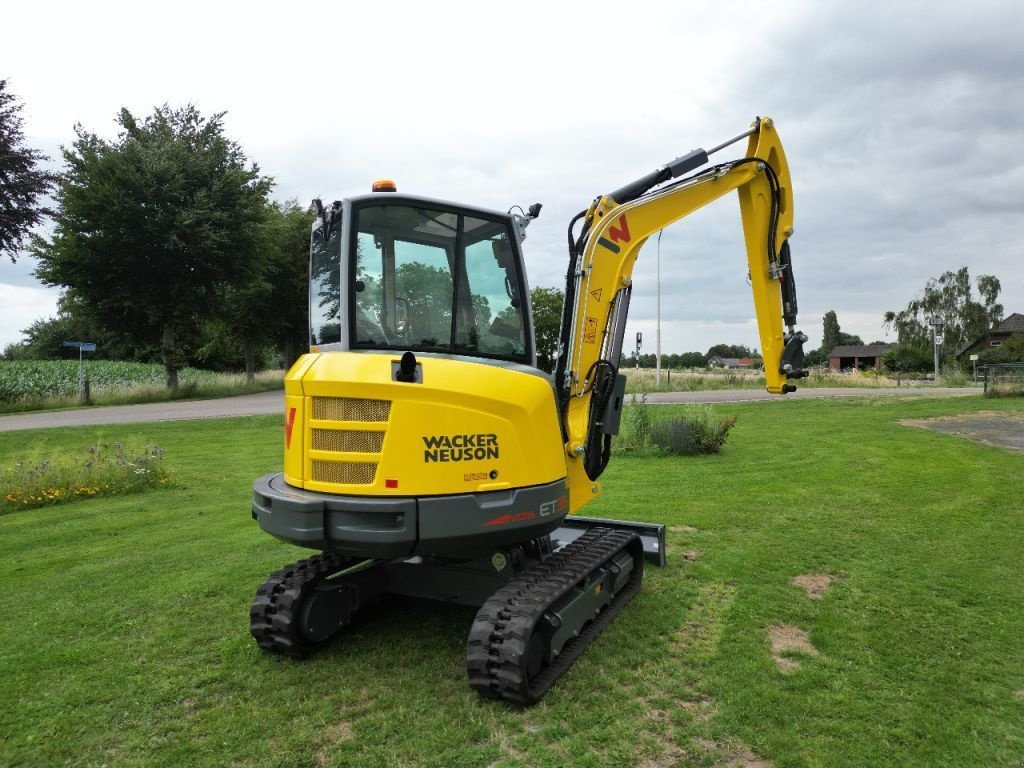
{"x":304,"y":604}
{"x":532,"y":629}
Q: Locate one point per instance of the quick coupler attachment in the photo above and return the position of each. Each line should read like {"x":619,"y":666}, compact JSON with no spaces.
{"x":792,"y":365}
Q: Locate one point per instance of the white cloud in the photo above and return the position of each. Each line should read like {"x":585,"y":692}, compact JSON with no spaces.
{"x":19,"y":306}
{"x":899,"y":120}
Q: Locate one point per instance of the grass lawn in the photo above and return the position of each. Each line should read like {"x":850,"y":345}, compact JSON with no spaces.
{"x":124,"y":634}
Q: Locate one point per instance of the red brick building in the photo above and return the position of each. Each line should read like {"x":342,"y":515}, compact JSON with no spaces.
{"x":858,"y":357}
{"x":1013,"y":324}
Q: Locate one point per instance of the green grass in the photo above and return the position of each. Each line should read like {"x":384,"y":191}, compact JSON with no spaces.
{"x":124,"y":638}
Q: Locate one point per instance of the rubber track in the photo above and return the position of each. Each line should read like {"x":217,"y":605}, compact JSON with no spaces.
{"x":274,"y":615}
{"x":500,"y":635}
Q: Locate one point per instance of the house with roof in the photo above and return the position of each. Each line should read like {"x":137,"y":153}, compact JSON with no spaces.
{"x":858,"y":357}
{"x":734,"y":362}
{"x":1010,"y":326}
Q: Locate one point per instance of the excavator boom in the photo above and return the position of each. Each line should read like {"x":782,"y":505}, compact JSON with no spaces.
{"x":599,"y":284}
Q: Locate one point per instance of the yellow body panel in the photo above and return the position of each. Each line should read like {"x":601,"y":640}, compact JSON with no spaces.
{"x":468,"y":427}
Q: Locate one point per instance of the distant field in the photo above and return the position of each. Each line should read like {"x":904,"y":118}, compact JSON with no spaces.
{"x":702,"y":379}
{"x":33,"y":384}
{"x":59,"y":378}
{"x":842,"y":590}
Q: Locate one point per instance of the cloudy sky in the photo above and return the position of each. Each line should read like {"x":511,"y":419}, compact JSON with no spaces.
{"x":902,"y":123}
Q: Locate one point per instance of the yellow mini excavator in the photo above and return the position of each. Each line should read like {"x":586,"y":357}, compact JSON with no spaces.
{"x":425,"y":453}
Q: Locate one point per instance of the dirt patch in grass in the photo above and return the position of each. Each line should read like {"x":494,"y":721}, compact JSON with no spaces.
{"x":690,"y":555}
{"x":1019,"y":694}
{"x":333,"y":736}
{"x":815,"y":584}
{"x":1004,"y":430}
{"x":787,"y":639}
{"x":682,"y":529}
{"x":701,"y":710}
{"x":737,"y":756}
{"x":671,"y":756}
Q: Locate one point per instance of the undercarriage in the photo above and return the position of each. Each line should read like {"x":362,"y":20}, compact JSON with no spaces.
{"x":541,"y":603}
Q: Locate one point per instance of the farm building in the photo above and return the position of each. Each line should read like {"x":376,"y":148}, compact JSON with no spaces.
{"x":858,"y":357}
{"x":734,"y":362}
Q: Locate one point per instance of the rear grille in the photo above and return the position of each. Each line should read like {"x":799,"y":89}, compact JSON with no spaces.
{"x":350,"y":409}
{"x":347,"y":440}
{"x":344,"y":472}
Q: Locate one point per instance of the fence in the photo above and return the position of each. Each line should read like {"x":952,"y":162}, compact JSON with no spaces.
{"x":1004,"y":379}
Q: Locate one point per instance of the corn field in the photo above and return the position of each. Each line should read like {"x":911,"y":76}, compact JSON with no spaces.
{"x":38,"y":379}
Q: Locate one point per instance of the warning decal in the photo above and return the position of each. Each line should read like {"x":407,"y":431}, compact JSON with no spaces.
{"x":597,"y":293}
{"x":590,"y":331}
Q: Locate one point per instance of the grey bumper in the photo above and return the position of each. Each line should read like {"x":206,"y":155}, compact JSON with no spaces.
{"x":460,"y":526}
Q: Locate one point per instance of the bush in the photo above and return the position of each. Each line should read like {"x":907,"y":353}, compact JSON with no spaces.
{"x":101,"y":470}
{"x":699,"y":431}
{"x":954,"y":376}
{"x":636,"y":422}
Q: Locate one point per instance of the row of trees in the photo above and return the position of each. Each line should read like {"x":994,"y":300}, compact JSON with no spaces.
{"x":166,"y":244}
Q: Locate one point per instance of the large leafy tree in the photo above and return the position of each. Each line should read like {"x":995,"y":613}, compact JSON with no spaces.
{"x":832,"y":336}
{"x":23,"y":184}
{"x":547,"y":324}
{"x":269,"y":307}
{"x":153,"y":226}
{"x":949,"y":298}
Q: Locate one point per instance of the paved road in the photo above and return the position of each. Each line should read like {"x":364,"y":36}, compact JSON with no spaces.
{"x":243,"y":405}
{"x":272,"y":402}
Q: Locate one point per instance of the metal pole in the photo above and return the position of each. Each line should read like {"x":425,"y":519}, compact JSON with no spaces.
{"x":657,"y":335}
{"x":734,"y":139}
{"x":81,"y":374}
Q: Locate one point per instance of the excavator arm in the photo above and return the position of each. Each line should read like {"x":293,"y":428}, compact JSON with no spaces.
{"x":598,"y":285}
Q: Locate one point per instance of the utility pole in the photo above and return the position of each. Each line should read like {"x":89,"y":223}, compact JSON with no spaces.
{"x":937,"y":325}
{"x":657,"y":336}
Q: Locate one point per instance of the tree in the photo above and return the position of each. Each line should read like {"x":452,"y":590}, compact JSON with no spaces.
{"x":728,"y":350}
{"x":832,"y":336}
{"x":269,"y":305}
{"x":692,"y":360}
{"x":949,"y":299}
{"x":903,"y":359}
{"x":153,"y":227}
{"x":22,"y":183}
{"x":547,"y":324}
{"x":288,"y":273}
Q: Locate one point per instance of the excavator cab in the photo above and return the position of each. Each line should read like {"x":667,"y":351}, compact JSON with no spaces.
{"x":394,"y":273}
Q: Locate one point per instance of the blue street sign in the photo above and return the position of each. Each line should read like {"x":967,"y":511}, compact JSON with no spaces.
{"x":84,"y":346}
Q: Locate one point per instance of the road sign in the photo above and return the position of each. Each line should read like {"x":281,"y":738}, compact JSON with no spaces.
{"x":974,"y":357}
{"x":83,"y":384}
{"x":84,"y":346}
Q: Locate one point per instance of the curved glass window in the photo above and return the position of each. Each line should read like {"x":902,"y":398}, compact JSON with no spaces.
{"x":436,"y":280}
{"x":325,"y":283}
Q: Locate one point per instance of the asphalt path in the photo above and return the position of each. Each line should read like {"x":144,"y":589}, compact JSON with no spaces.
{"x":273,"y":403}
